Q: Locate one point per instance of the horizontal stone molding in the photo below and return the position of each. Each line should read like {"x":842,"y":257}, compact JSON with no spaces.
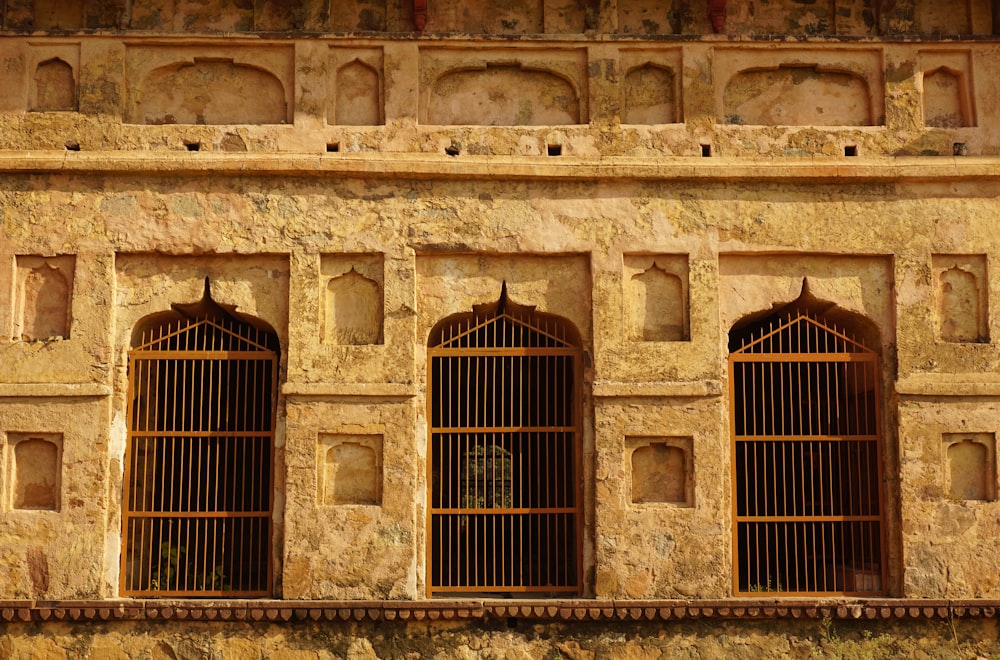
{"x":569,"y":168}
{"x":950,"y":385}
{"x":340,"y":390}
{"x":278,"y":611}
{"x":695,"y":388}
{"x":52,"y":390}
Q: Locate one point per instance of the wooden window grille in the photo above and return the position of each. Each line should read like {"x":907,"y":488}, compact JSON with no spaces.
{"x":504,"y":460}
{"x":807,"y":459}
{"x":198,"y":470}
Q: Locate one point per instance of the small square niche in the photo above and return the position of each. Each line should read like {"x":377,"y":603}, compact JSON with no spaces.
{"x":36,"y":470}
{"x":661,"y":470}
{"x":350,"y":469}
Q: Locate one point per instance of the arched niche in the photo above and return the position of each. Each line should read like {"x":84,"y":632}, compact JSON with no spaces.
{"x":211,"y":91}
{"x":353,"y":310}
{"x":944,"y":99}
{"x":36,"y":471}
{"x":357,"y":96}
{"x":797,"y":95}
{"x":55,"y":87}
{"x":660,"y":470}
{"x":960,"y":312}
{"x":44,"y":296}
{"x":503,"y":95}
{"x":657,"y":305}
{"x":970,"y":473}
{"x":649,"y":95}
{"x":351,"y":470}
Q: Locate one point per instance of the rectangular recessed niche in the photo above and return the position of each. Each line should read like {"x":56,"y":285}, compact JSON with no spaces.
{"x":352,"y":299}
{"x":851,"y":150}
{"x":970,"y":466}
{"x":42,"y":298}
{"x":656,"y":297}
{"x":961,"y":295}
{"x":554,"y":150}
{"x":350,"y":469}
{"x":332,"y":147}
{"x":661,"y":469}
{"x":36,"y":470}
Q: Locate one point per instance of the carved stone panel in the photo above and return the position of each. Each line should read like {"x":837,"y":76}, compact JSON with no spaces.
{"x":43,"y":298}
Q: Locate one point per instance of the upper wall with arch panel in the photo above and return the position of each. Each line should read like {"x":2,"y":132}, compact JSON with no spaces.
{"x":799,"y":88}
{"x":524,"y":87}
{"x":178,"y":85}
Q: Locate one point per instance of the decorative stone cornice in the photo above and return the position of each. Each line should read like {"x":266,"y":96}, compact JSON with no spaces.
{"x":432,"y":166}
{"x":280,"y":611}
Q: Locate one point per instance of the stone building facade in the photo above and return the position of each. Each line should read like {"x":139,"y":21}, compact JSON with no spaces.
{"x":588,"y":303}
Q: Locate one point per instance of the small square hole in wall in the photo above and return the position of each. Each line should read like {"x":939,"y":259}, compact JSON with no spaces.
{"x":959,"y":149}
{"x":192,"y":146}
{"x":851,"y":150}
{"x":72,"y":146}
{"x":706,"y":151}
{"x":661,"y":469}
{"x":332,"y":147}
{"x":554,"y":150}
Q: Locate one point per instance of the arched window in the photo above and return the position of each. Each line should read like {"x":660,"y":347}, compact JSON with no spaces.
{"x":504,"y":460}
{"x":807,"y":452}
{"x":196,"y":515}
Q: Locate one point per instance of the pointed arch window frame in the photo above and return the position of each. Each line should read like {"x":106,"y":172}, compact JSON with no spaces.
{"x":557,"y":337}
{"x":862,"y":577}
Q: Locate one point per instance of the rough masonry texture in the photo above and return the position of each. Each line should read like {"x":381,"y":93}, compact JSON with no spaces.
{"x":353,"y":180}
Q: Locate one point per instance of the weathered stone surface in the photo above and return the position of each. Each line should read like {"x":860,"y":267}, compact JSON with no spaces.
{"x":361,"y":186}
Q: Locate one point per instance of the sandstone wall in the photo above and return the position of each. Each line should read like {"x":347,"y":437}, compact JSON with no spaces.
{"x":653,"y":192}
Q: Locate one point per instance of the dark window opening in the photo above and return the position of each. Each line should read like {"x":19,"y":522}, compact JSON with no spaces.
{"x":807,"y":453}
{"x":197,"y":496}
{"x":506,"y":511}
